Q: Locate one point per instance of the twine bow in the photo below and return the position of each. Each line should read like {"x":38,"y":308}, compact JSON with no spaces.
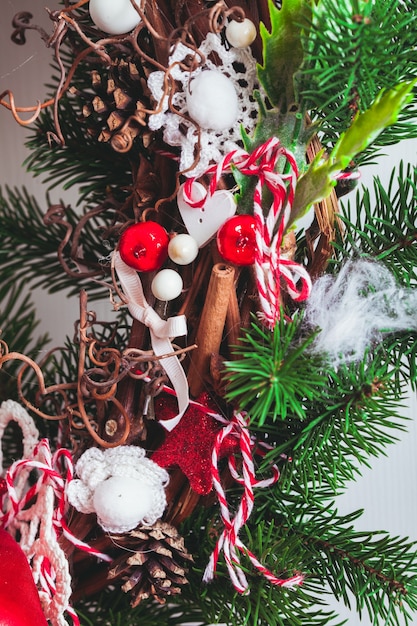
{"x":271,"y":266}
{"x":229,"y":541}
{"x":161,"y":332}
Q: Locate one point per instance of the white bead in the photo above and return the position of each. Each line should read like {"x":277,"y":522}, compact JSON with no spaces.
{"x":122,"y":502}
{"x":182,"y":249}
{"x":212,"y":100}
{"x":115,"y":17}
{"x":167,"y":285}
{"x":241,"y":34}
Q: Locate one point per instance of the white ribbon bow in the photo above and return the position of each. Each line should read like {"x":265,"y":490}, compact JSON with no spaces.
{"x":161,"y":332}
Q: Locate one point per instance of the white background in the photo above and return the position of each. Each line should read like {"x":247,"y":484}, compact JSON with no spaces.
{"x":388,"y":491}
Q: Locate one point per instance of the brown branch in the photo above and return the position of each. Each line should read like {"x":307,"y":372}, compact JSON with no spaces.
{"x":392,"y":583}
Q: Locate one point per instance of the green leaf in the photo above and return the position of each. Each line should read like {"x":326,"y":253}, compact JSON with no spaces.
{"x":283,"y":51}
{"x":316,"y":184}
{"x":368,"y":125}
{"x":293,"y":133}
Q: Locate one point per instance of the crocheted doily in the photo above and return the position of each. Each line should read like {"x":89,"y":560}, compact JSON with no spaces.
{"x":239,"y":66}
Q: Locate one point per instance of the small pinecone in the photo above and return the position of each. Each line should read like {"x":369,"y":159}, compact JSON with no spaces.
{"x":116,"y":113}
{"x":153,"y":564}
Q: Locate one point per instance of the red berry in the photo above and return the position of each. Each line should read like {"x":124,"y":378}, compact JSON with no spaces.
{"x":144,"y":246}
{"x":236,"y":240}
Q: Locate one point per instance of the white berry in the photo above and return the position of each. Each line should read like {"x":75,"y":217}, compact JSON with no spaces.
{"x":182,"y":249}
{"x":115,"y":17}
{"x":212,"y":100}
{"x":167,"y":285}
{"x":241,"y":34}
{"x":122,"y":502}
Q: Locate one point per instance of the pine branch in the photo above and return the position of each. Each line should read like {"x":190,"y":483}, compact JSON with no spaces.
{"x":380,"y":571}
{"x":280,"y":551}
{"x":327,"y":422}
{"x":400,"y":350}
{"x":291,"y":532}
{"x":355,"y":418}
{"x":344,"y":72}
{"x":385,"y":226}
{"x":272,"y":377}
{"x":33,"y":259}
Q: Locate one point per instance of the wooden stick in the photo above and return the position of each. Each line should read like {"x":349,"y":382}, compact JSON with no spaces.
{"x":212,"y":321}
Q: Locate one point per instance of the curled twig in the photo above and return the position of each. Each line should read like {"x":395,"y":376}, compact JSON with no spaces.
{"x":70,"y":244}
{"x":21,"y":23}
{"x":16,"y":110}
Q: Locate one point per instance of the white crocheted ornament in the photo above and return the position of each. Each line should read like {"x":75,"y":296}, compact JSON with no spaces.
{"x":120,"y":485}
{"x":239,"y":67}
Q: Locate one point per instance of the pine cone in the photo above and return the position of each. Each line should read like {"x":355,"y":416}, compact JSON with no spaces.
{"x":154,"y":564}
{"x":116,"y":111}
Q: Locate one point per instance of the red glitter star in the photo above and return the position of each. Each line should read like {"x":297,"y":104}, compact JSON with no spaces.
{"x":190,"y":444}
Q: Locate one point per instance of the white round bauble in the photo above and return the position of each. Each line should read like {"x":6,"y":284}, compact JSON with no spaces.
{"x":212,"y":100}
{"x":115,"y":17}
{"x":182,"y":249}
{"x":121,"y":503}
{"x":241,"y":34}
{"x":167,"y":285}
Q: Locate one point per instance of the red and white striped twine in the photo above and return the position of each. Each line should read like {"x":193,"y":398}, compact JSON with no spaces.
{"x":55,"y":470}
{"x":348,"y":175}
{"x":229,"y":541}
{"x":47,"y":581}
{"x":270,"y":267}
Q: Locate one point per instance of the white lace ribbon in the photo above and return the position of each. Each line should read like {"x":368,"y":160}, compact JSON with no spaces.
{"x":161,"y":331}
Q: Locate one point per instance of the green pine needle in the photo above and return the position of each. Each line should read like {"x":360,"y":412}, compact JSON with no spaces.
{"x":34,"y":259}
{"x":343,"y":72}
{"x":272,"y":374}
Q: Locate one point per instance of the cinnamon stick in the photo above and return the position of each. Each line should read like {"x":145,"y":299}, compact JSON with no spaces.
{"x":211,"y":326}
{"x":233,"y":323}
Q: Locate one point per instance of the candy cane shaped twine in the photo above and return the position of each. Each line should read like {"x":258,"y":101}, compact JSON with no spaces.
{"x":229,"y":541}
{"x":271,"y":268}
{"x":56,"y":470}
{"x":39,"y":512}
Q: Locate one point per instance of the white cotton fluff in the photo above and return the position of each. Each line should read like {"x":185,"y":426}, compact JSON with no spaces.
{"x":356,"y":308}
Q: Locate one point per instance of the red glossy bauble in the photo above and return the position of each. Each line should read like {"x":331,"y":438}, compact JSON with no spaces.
{"x":236,"y":240}
{"x":144,"y":246}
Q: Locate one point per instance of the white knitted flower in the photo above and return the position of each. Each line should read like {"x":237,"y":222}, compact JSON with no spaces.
{"x":239,"y":66}
{"x":120,"y":485}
